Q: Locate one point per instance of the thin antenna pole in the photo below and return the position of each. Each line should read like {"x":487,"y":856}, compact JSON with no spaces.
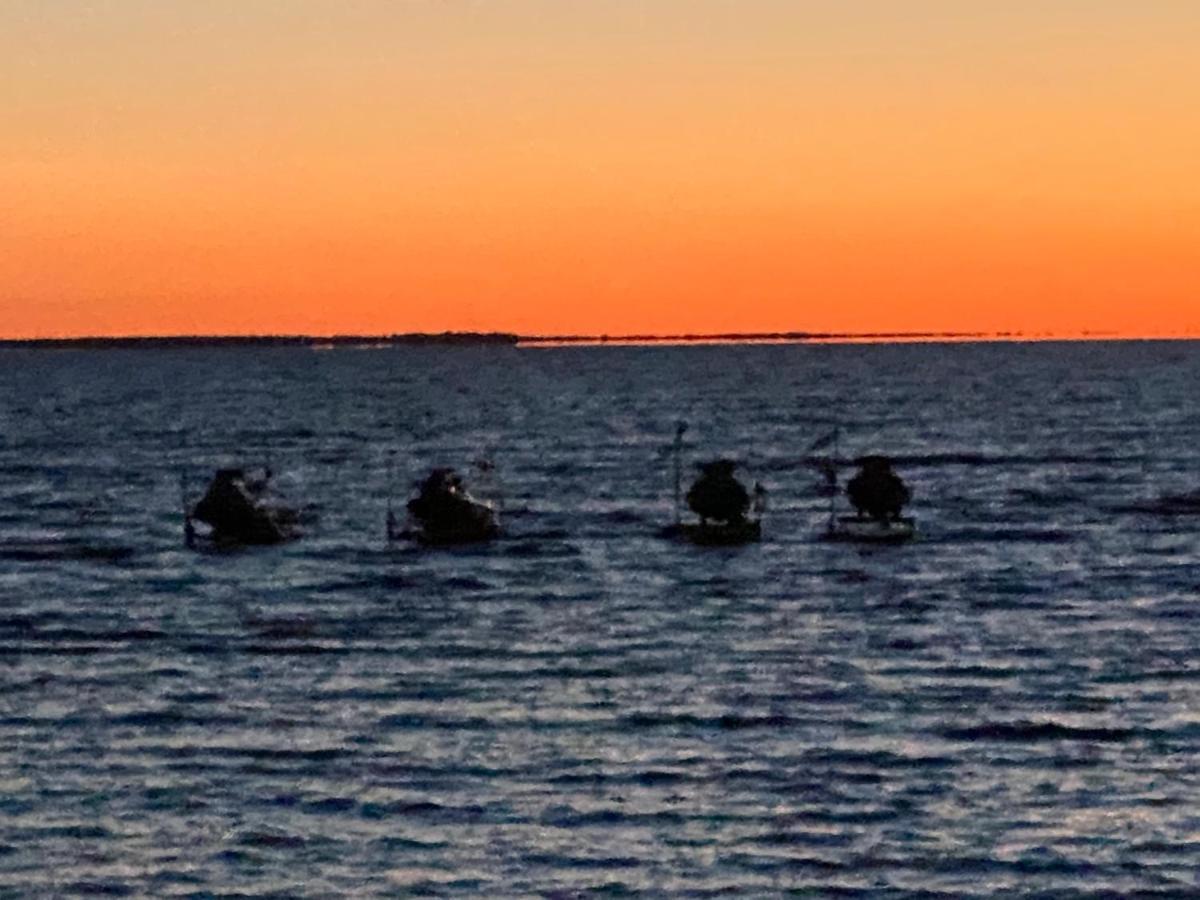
{"x":391,"y":481}
{"x":679,"y":430}
{"x":833,"y":494}
{"x":189,"y":530}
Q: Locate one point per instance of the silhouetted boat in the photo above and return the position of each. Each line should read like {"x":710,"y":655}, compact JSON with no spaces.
{"x":877,"y":494}
{"x":444,"y":512}
{"x":240,"y":509}
{"x":721,"y":502}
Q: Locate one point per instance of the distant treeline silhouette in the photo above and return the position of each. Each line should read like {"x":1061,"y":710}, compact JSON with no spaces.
{"x":270,"y":340}
{"x":736,"y":337}
{"x":491,"y":338}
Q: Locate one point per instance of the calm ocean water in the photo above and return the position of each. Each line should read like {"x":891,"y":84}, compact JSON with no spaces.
{"x":1010,"y":704}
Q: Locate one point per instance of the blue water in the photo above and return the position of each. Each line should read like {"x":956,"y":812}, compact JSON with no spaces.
{"x":1010,"y":704}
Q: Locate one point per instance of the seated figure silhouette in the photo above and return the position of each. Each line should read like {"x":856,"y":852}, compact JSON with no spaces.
{"x":238,"y":509}
{"x":447,"y":512}
{"x":717,"y":495}
{"x":877,"y":491}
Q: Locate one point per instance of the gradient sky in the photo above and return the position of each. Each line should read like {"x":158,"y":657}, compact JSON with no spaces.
{"x":557,"y":166}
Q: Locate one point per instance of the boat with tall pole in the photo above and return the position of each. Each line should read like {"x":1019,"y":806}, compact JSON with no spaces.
{"x":728,"y":513}
{"x":877,"y":494}
{"x":239,"y":508}
{"x":443,"y":512}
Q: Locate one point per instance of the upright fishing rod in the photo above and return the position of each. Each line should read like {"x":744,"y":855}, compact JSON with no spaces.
{"x":391,"y":524}
{"x":680,"y":428}
{"x":833,"y":493}
{"x":759,"y":505}
{"x":189,"y":530}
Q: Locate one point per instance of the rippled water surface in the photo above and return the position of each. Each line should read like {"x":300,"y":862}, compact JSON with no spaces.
{"x":1010,"y":704}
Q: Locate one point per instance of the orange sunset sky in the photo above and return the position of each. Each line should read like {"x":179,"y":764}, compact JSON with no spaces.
{"x":561,"y":166}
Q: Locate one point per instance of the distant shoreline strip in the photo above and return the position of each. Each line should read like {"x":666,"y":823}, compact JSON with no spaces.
{"x":458,"y":338}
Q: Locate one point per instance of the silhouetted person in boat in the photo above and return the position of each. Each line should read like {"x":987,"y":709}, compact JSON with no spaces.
{"x":445,"y":509}
{"x":717,"y":495}
{"x":257,"y":486}
{"x":877,"y":491}
{"x":827,"y":468}
{"x":235,"y":508}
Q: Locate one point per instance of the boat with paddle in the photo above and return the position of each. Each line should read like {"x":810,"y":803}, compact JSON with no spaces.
{"x":878,"y":496}
{"x":728,"y":514}
{"x":444,"y":512}
{"x":239,"y":508}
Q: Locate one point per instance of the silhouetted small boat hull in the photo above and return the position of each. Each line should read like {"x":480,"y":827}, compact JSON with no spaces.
{"x":872,"y":531}
{"x":444,"y":514}
{"x":237,"y":511}
{"x":268,"y":533}
{"x":716,"y":534}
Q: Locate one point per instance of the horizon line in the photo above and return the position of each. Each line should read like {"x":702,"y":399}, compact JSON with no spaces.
{"x":331,"y":341}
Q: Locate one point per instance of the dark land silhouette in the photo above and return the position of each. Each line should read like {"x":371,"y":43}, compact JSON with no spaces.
{"x":274,"y":340}
{"x":490,"y":338}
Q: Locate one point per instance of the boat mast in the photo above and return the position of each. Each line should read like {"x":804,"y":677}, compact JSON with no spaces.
{"x":391,"y":481}
{"x":833,"y":494}
{"x":189,"y":530}
{"x":680,"y":428}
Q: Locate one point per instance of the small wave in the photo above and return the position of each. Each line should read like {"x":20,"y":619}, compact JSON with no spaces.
{"x":428,"y":810}
{"x":727,"y":722}
{"x":169,"y":718}
{"x":554,"y":548}
{"x":624,"y":516}
{"x":281,"y":626}
{"x":300,"y":649}
{"x":55,"y":649}
{"x":1189,"y":849}
{"x":392,"y":842}
{"x":974,"y":459}
{"x":64,"y":551}
{"x":569,"y":817}
{"x":558,"y":672}
{"x":877,"y":759}
{"x":328,"y":805}
{"x":394,"y":582}
{"x":260,"y":754}
{"x":1021,"y":732}
{"x":1181,"y":674}
{"x":99,"y":889}
{"x":852,"y":816}
{"x":556,"y":860}
{"x":196,"y":696}
{"x":119,"y":636}
{"x":1005,"y":535}
{"x":803,"y":839}
{"x":1166,"y":505}
{"x":986,"y":673}
{"x":238,"y":858}
{"x":1045,"y":499}
{"x":466,"y":583}
{"x":418,"y":722}
{"x":28,"y":623}
{"x":648,"y":778}
{"x":272,"y":839}
{"x":71,"y":832}
{"x":543,"y":534}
